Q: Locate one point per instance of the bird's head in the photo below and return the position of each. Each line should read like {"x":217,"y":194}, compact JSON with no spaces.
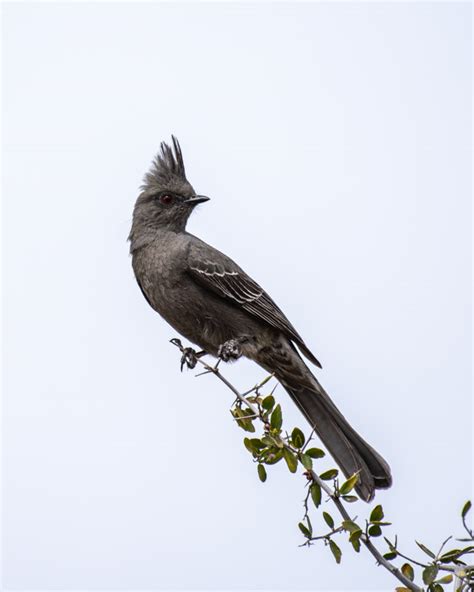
{"x":167,"y":198}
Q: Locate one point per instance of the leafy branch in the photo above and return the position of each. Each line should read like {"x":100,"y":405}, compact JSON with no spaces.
{"x":275,"y":445}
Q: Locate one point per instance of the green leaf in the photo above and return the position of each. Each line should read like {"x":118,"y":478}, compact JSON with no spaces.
{"x":291,"y":460}
{"x":349,"y":485}
{"x":445,"y":579}
{"x":335,"y":551}
{"x":304,"y":530}
{"x":375,"y":530}
{"x":450,"y":555}
{"x":429,"y":574}
{"x":350,"y":526}
{"x":454,"y":554}
{"x":356,"y":534}
{"x":242,"y":421}
{"x":328,"y":475}
{"x":466,"y":508}
{"x":273,"y":456}
{"x":355,"y":542}
{"x":377,"y":513}
{"x":306,"y":461}
{"x":278,"y":442}
{"x":276,"y":419}
{"x":264,"y":382}
{"x":248,"y":444}
{"x":407,"y":571}
{"x":436,"y":588}
{"x":328,"y":519}
{"x":354,"y":539}
{"x":268,"y":403}
{"x":315,"y":453}
{"x":350,"y":498}
{"x":270,"y":440}
{"x":297,"y":437}
{"x":426,"y":550}
{"x":402,"y":589}
{"x":467,"y":549}
{"x":257,"y":444}
{"x":315,"y":490}
{"x":262,"y":473}
{"x":390,"y":555}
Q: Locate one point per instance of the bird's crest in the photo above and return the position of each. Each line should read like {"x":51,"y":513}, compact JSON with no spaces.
{"x":168,"y":165}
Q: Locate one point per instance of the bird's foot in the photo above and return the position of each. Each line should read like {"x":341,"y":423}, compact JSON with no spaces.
{"x":190,"y":356}
{"x":230,"y":350}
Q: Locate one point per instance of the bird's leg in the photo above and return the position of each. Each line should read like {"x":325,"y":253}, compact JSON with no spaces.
{"x":190,"y":356}
{"x":231,"y":350}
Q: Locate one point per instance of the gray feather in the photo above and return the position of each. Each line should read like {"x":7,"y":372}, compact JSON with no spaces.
{"x":210,"y":300}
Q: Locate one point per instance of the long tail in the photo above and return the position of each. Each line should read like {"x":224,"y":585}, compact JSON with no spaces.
{"x":350,"y":451}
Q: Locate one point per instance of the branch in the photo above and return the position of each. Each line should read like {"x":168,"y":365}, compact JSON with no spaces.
{"x":293,"y":453}
{"x":380,"y":559}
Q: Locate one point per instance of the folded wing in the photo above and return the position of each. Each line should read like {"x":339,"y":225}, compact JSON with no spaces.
{"x":225,"y":278}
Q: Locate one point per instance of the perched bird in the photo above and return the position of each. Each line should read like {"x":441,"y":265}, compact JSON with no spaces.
{"x":212,"y":302}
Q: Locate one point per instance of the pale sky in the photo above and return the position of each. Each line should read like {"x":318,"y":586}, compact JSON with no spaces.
{"x":335,"y":143}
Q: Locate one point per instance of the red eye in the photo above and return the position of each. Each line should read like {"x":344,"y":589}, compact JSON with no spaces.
{"x":166,"y":199}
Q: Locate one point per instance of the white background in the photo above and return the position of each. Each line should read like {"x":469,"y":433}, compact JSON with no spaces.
{"x":335,"y":143}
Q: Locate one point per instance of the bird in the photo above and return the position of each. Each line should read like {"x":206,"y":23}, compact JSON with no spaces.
{"x":207,"y":298}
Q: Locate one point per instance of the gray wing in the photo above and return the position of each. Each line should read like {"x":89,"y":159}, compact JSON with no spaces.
{"x":219,"y":274}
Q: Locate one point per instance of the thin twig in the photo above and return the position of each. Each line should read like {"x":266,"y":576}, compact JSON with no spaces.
{"x":254,"y":416}
{"x":313,"y":431}
{"x":328,"y":535}
{"x":466,"y":527}
{"x":365,"y":539}
{"x":214,"y":370}
{"x":411,"y":560}
{"x":337,"y":502}
{"x":463,"y":577}
{"x":443,"y":545}
{"x":259,"y":385}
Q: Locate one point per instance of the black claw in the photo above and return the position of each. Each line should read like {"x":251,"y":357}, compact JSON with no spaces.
{"x":189,"y":358}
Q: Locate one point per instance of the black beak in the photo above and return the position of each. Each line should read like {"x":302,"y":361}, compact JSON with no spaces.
{"x":196,"y":199}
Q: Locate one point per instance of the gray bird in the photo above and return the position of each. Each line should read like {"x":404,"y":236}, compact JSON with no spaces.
{"x":212,"y":302}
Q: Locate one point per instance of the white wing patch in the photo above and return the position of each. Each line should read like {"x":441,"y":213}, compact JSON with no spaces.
{"x":231,"y":283}
{"x":214,"y":273}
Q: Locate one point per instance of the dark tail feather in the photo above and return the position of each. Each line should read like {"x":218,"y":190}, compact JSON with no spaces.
{"x":349,"y":450}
